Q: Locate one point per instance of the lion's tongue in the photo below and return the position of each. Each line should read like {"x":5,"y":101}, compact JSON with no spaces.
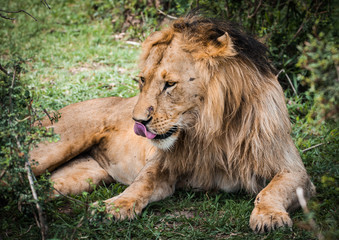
{"x":141,"y":130}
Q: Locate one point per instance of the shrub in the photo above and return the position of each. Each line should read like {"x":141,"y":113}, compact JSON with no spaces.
{"x":319,"y":62}
{"x":19,"y":189}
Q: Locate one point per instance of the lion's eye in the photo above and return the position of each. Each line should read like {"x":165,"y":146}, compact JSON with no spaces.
{"x":168,"y":85}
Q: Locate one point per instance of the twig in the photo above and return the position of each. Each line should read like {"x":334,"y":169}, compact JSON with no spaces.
{"x":78,"y":225}
{"x":289,"y":80}
{"x":3,"y":70}
{"x":22,"y":120}
{"x":10,"y":94}
{"x":135,"y":79}
{"x":3,"y":172}
{"x":165,"y":14}
{"x":317,"y":145}
{"x":143,"y":17}
{"x":133,"y":43}
{"x":43,"y":226}
{"x":298,"y":31}
{"x":302,"y":202}
{"x":36,"y":219}
{"x":19,"y":11}
{"x":197,"y":4}
{"x":255,"y":11}
{"x":31,"y":112}
{"x":8,"y":18}
{"x":29,"y":229}
{"x":227,"y":9}
{"x":49,"y":117}
{"x":73,"y":199}
{"x":46,"y":4}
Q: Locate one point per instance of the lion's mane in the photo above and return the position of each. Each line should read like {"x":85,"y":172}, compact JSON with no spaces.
{"x":242,"y":128}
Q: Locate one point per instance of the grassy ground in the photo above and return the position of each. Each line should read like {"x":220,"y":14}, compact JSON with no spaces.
{"x":70,"y":58}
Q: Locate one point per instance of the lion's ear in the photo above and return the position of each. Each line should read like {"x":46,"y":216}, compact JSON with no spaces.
{"x":219,"y":47}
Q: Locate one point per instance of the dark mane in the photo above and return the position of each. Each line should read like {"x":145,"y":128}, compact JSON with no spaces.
{"x":209,"y":29}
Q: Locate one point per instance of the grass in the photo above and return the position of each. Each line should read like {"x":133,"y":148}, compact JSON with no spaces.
{"x":70,"y":60}
{"x":70,"y":57}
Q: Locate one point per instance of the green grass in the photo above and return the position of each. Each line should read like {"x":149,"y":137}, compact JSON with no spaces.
{"x":69,"y":57}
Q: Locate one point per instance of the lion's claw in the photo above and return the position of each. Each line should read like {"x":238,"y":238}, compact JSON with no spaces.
{"x":118,"y":208}
{"x":266,"y":219}
{"x":122,"y":208}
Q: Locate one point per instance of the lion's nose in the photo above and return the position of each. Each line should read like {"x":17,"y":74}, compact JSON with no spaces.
{"x":142,"y":121}
{"x":144,"y":118}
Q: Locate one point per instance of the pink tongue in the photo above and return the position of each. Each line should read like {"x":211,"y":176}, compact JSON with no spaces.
{"x":141,"y":130}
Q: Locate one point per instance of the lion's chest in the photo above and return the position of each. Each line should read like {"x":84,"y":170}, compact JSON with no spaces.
{"x":123,"y":155}
{"x":205,"y":182}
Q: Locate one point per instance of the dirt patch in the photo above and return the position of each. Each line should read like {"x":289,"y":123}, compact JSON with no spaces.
{"x":86,"y":67}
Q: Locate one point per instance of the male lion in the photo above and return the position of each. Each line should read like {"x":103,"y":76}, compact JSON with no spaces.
{"x":210,"y":115}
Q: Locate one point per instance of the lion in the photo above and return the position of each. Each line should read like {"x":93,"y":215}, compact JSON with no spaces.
{"x":210,"y":115}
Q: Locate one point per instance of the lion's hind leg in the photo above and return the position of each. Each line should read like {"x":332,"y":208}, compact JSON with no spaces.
{"x":79,"y":175}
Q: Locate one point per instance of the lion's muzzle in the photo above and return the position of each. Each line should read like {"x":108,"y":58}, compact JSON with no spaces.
{"x":141,"y":130}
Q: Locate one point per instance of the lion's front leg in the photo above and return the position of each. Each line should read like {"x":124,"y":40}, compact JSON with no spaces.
{"x":273,"y":202}
{"x":150,"y":185}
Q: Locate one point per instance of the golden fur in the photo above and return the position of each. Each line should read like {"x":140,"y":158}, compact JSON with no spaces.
{"x":208,"y":93}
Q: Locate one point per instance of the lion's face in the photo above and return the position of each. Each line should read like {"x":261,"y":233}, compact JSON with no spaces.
{"x":170,"y":94}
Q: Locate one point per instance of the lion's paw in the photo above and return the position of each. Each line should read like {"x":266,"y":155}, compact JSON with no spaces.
{"x":266,"y":219}
{"x":121,"y":208}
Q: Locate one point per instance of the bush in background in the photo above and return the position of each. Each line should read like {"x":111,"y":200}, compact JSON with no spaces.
{"x":319,"y":63}
{"x":18,"y":134}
